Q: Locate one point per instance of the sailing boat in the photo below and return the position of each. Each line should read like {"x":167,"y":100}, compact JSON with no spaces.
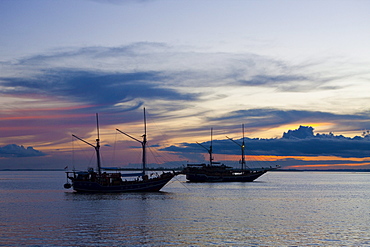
{"x":98,"y":181}
{"x":213,"y":172}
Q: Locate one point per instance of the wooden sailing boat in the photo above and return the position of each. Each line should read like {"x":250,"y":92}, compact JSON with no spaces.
{"x":213,"y":172}
{"x":98,"y":181}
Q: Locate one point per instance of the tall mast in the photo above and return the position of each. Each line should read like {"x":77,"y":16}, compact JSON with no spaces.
{"x":209,"y":150}
{"x":242,"y":146}
{"x":143,"y":143}
{"x":97,"y":147}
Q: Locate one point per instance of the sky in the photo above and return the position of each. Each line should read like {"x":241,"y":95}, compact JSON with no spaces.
{"x":294,"y":67}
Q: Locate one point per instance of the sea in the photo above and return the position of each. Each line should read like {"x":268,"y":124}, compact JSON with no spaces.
{"x":278,"y":209}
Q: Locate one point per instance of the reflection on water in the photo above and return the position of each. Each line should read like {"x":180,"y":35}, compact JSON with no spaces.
{"x":280,"y":209}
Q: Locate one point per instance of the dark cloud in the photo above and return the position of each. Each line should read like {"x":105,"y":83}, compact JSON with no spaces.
{"x":14,"y":150}
{"x":96,"y":91}
{"x":191,"y":67}
{"x":312,"y":145}
{"x":160,"y":64}
{"x":112,"y":95}
{"x":96,"y":88}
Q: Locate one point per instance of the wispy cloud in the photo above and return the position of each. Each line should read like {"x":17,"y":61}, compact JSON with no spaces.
{"x":270,"y":117}
{"x":63,"y":89}
{"x":188,"y":62}
{"x":101,"y":89}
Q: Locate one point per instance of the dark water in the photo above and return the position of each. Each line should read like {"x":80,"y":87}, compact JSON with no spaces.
{"x":279,"y":209}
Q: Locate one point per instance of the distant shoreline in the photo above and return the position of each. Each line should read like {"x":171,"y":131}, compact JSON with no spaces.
{"x":31,"y":170}
{"x":277,"y":170}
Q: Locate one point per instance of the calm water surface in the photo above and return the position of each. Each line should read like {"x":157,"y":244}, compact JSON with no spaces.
{"x":279,"y":209}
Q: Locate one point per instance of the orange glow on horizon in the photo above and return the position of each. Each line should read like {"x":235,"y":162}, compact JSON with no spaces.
{"x":327,"y":165}
{"x":305,"y":158}
{"x":272,"y":158}
{"x":282,"y":158}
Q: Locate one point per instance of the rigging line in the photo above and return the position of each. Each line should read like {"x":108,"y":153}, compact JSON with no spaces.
{"x":225,"y":156}
{"x":89,"y":155}
{"x":73,"y":153}
{"x":136,"y":154}
{"x":161,"y":157}
{"x":156,"y":127}
{"x":153,"y":155}
{"x":164,"y":155}
{"x":83,"y":151}
{"x":258,"y":160}
{"x":113,"y":161}
{"x":102,"y":158}
{"x":91,"y":158}
{"x":156,"y":155}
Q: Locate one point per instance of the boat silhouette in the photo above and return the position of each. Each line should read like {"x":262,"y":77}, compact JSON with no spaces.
{"x":216,"y":172}
{"x":92,"y":181}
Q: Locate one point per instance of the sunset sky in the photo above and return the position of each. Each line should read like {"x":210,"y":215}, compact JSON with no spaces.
{"x":194,"y":65}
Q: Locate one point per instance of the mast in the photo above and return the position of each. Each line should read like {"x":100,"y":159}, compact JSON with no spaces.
{"x":96,"y":147}
{"x":242,"y":146}
{"x":209,"y":150}
{"x":143,"y":143}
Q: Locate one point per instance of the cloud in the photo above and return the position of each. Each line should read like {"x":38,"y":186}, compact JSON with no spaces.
{"x":95,"y":88}
{"x":305,"y":145}
{"x":14,"y":150}
{"x":270,"y":117}
{"x":184,"y":64}
{"x":297,"y":163}
{"x":286,"y":81}
{"x":61,"y":99}
{"x":61,"y":90}
{"x":281,"y":82}
{"x":310,"y":147}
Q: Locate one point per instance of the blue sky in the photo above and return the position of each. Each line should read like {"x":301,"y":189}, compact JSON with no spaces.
{"x":271,"y":65}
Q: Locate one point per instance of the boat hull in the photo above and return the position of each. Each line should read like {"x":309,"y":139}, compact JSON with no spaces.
{"x":151,"y":185}
{"x":201,"y":177}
